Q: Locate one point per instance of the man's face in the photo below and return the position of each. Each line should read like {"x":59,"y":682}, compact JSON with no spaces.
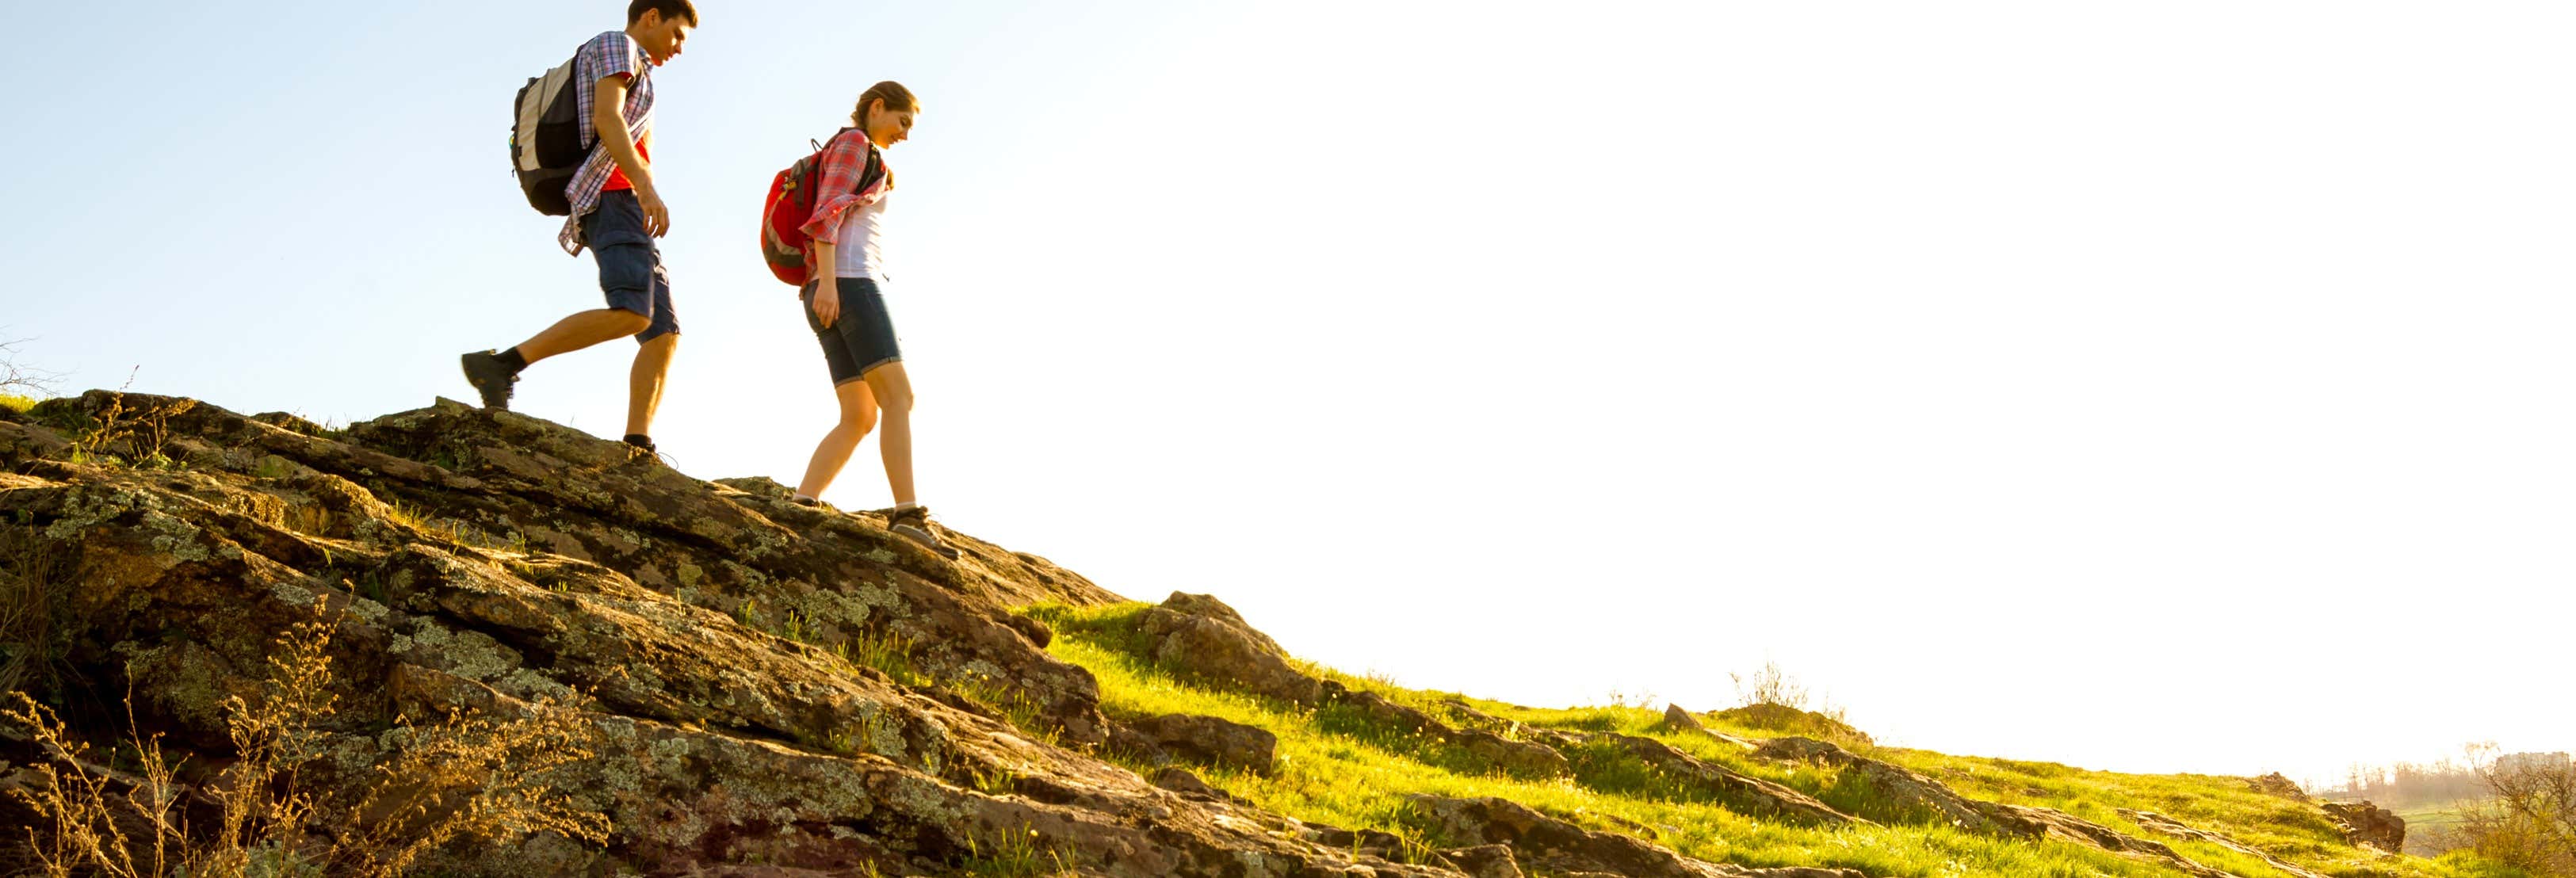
{"x":662,"y":38}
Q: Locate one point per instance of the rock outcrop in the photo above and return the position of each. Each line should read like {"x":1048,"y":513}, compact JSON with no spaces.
{"x":1205,"y":740}
{"x":1794,"y":721}
{"x":1931,"y":800}
{"x":2278,"y":785}
{"x":772,"y":689}
{"x":2365,"y":823}
{"x":768,"y":683}
{"x":1679,"y":720}
{"x":1201,"y":636}
{"x":2169,"y":827}
{"x":1742,"y":792}
{"x":1562,"y":848}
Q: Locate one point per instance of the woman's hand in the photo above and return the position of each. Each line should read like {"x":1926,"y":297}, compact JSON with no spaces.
{"x":827,"y":301}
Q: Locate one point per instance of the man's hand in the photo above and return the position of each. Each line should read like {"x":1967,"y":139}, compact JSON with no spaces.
{"x":657,"y":218}
{"x":827,"y":301}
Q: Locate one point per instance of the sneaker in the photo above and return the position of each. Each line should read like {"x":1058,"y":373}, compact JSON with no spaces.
{"x":914,"y":524}
{"x":490,"y":377}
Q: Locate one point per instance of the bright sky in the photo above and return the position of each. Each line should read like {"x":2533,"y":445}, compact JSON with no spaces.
{"x":2160,"y":387}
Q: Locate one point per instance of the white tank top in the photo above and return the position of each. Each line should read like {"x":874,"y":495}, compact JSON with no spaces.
{"x":861,"y":252}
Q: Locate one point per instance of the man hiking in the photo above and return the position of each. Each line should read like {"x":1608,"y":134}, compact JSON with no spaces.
{"x":617,"y":213}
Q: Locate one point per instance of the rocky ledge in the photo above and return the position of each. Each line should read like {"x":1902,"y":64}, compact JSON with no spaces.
{"x":765,"y":683}
{"x":744,"y":686}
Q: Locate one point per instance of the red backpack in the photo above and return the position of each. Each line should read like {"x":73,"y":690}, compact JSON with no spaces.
{"x":791,"y":203}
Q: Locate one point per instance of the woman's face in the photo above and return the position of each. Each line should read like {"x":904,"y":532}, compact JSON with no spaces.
{"x":890,"y":127}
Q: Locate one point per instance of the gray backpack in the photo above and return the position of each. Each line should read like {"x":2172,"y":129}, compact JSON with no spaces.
{"x":545,"y":139}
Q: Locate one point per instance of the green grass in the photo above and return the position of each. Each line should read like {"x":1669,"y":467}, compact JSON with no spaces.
{"x":2432,"y":825}
{"x":1336,"y":767}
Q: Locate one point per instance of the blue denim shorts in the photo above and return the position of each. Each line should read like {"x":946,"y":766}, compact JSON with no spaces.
{"x":630,"y":264}
{"x":862,"y":338}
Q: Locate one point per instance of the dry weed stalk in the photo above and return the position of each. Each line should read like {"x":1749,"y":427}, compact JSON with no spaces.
{"x":470,"y":777}
{"x":87,"y":811}
{"x":464,"y":778}
{"x":1770,"y":685}
{"x":145,"y":430}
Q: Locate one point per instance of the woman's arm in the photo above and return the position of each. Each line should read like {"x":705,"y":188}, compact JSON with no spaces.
{"x":827,"y":292}
{"x":843,"y":161}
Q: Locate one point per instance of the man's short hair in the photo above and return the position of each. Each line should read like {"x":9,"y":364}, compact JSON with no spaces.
{"x":670,"y":9}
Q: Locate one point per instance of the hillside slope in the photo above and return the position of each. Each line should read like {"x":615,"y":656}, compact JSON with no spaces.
{"x":762,"y":688}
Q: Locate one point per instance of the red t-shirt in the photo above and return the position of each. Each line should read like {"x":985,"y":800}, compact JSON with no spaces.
{"x":617,"y":175}
{"x":643,"y":150}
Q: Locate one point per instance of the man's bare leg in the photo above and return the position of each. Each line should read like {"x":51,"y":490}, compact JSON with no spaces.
{"x":494,"y":373}
{"x":583,"y":330}
{"x":644,"y":382}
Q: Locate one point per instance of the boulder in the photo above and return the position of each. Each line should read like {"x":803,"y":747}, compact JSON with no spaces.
{"x":1180,"y":780}
{"x":1203,"y":636}
{"x":1210,"y":741}
{"x":1520,"y":758}
{"x":1483,"y":861}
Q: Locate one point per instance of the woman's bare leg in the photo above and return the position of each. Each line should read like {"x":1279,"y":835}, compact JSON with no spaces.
{"x":893,"y":390}
{"x":858,"y":416}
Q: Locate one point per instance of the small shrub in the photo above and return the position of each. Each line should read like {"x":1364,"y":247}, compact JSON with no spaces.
{"x":142,"y":432}
{"x":2529,"y":821}
{"x":1772,"y":699}
{"x":1770,"y":685}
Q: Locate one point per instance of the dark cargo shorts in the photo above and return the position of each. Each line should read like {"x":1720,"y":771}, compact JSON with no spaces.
{"x":630,"y":264}
{"x":862,"y":338}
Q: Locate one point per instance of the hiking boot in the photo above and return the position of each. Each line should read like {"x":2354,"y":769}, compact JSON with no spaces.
{"x":490,"y":377}
{"x":914,"y":524}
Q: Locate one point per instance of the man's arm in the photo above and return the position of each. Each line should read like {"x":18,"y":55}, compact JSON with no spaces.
{"x":608,"y":116}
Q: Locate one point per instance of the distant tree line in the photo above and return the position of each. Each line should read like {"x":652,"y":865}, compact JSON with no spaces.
{"x":2406,"y":784}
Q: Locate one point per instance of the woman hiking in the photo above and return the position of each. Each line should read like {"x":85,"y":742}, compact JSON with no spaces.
{"x":845,"y":306}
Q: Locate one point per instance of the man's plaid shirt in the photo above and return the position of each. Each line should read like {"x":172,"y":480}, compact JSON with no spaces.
{"x":605,"y":55}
